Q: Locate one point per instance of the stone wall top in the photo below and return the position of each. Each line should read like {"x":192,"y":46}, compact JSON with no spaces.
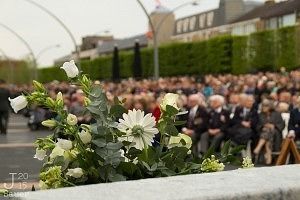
{"x":276,"y":183}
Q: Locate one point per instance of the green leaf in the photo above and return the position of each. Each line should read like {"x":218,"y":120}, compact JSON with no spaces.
{"x":114,"y":146}
{"x":127,"y":168}
{"x":179,"y":123}
{"x":171,"y":130}
{"x":94,"y":110}
{"x":225,"y":149}
{"x":99,"y":142}
{"x":209,"y":152}
{"x":117,"y":111}
{"x":237,"y":149}
{"x":96,"y":91}
{"x":116,"y":177}
{"x":171,"y":110}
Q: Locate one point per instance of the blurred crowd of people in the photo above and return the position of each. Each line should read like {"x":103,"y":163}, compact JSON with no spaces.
{"x":262,"y":108}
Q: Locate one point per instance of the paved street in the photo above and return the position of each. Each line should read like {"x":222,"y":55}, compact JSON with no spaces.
{"x":16,"y":154}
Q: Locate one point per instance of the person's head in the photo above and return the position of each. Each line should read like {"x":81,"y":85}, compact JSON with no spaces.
{"x":285,"y":97}
{"x":283,"y":107}
{"x":247,"y":101}
{"x":216,"y":101}
{"x":266,"y":106}
{"x":234,"y":99}
{"x":297,"y":102}
{"x":193,"y":100}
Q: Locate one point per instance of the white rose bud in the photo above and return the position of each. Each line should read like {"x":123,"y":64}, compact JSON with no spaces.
{"x":71,"y":69}
{"x":64,"y":144}
{"x":171,"y":100}
{"x":40,"y":154}
{"x":85,"y":136}
{"x":71,"y":119}
{"x":76,"y":172}
{"x":57,"y":151}
{"x":18,"y":103}
{"x":49,"y":123}
{"x":175,"y":141}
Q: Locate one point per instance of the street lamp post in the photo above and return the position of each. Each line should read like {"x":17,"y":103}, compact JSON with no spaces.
{"x":11,"y":74}
{"x":26,"y":45}
{"x":155,"y":31}
{"x":193,"y":3}
{"x":155,"y":45}
{"x":63,"y":25}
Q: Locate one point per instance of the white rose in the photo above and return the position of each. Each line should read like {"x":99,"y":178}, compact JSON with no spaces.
{"x":171,"y":100}
{"x":76,"y":172}
{"x":175,"y":141}
{"x":71,"y":119}
{"x":57,"y":151}
{"x":40,"y":154}
{"x":71,"y":69}
{"x":18,"y":103}
{"x":64,"y":144}
{"x":85,"y":136}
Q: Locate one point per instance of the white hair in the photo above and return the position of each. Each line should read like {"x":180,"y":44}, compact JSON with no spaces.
{"x":219,"y":98}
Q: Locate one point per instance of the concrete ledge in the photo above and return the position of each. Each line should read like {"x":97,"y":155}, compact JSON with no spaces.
{"x":276,"y":183}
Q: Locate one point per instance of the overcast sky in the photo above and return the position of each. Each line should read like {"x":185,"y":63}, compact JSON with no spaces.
{"x":123,"y":18}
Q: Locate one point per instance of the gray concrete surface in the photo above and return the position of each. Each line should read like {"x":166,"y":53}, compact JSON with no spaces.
{"x":266,"y":183}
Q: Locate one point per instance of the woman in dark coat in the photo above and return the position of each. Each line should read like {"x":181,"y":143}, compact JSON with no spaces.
{"x":269,"y":127}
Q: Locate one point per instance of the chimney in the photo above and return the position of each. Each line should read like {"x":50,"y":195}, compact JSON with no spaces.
{"x":270,"y":2}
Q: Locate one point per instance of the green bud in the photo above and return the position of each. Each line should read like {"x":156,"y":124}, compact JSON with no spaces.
{"x":87,"y":101}
{"x":59,"y":99}
{"x":49,"y":123}
{"x":38,"y":86}
{"x":50,"y":102}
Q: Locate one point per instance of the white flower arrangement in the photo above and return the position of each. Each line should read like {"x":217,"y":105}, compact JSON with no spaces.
{"x":119,"y":145}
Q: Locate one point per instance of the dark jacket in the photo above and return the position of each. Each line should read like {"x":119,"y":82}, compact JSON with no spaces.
{"x":294,"y":122}
{"x":4,"y":103}
{"x":199,"y":122}
{"x":239,"y":116}
{"x":219,"y":120}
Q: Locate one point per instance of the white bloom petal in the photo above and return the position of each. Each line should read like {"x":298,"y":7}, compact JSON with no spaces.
{"x":18,"y":103}
{"x":64,"y":144}
{"x":171,"y":100}
{"x":57,"y":151}
{"x":71,"y":119}
{"x":40,"y":154}
{"x":70,"y":69}
{"x":76,"y":172}
{"x":85,"y":136}
{"x":138,"y":129}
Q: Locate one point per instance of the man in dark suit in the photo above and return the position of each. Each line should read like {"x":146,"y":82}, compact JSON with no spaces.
{"x":294,"y":122}
{"x":243,"y":123}
{"x":4,"y":107}
{"x":197,"y":119}
{"x":217,"y":124}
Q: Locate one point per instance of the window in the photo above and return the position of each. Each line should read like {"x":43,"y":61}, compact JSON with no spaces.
{"x":179,"y":26}
{"x":202,"y":19}
{"x":289,"y":20}
{"x":186,"y":25}
{"x":192,"y":23}
{"x":210,"y":18}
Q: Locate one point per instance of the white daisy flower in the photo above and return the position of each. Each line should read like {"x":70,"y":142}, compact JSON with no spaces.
{"x":138,"y":129}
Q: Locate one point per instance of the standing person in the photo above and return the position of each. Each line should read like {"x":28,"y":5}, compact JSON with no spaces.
{"x":4,"y":107}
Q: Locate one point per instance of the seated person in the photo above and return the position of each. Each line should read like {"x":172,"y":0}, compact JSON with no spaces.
{"x":197,"y":119}
{"x":269,"y":127}
{"x":294,"y":122}
{"x":217,"y":124}
{"x":244,"y":121}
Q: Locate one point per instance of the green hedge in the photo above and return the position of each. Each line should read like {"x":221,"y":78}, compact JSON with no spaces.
{"x":261,"y":51}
